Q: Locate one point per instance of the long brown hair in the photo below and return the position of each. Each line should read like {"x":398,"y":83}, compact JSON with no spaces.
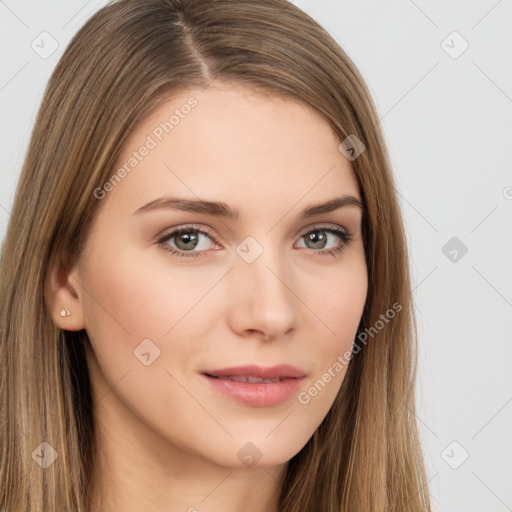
{"x":365,"y":456}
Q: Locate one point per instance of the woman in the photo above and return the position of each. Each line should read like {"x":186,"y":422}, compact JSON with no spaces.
{"x":205,"y":294}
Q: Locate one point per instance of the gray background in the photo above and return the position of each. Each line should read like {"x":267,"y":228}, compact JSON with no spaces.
{"x":447,"y":118}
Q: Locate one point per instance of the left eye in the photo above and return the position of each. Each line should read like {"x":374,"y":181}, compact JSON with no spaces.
{"x":189,"y":238}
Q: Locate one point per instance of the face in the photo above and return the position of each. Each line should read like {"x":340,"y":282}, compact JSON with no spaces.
{"x":171,"y":291}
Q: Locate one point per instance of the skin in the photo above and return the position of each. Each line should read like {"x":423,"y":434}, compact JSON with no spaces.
{"x":168,"y":441}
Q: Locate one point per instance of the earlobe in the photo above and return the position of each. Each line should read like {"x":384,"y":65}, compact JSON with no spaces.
{"x":63,"y":296}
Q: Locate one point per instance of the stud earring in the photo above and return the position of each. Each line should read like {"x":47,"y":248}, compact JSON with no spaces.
{"x":64,"y":312}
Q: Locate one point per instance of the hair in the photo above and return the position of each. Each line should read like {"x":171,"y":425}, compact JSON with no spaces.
{"x":121,"y":65}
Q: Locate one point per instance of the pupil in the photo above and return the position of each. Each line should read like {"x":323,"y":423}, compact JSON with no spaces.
{"x":315,"y":238}
{"x":186,"y":238}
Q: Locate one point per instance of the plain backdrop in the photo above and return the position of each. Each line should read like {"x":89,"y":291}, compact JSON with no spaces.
{"x":441,"y":75}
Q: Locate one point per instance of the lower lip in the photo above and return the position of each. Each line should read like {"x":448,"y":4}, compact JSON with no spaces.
{"x":257,"y":395}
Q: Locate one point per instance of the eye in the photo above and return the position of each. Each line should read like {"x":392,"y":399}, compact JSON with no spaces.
{"x":319,"y":236}
{"x":184,"y":241}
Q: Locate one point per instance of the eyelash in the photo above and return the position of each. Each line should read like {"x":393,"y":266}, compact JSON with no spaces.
{"x":345,"y":236}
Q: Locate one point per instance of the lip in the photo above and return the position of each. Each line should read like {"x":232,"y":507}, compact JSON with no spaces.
{"x":257,"y":394}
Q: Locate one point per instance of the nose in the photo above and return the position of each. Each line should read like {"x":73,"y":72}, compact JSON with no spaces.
{"x":263,"y":301}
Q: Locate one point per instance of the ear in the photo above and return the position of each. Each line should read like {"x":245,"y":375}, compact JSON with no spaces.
{"x":63,"y":294}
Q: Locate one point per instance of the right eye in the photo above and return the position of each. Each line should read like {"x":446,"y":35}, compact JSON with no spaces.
{"x":185,"y":240}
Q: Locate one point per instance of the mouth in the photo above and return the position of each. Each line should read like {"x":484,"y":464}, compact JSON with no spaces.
{"x":257,"y":386}
{"x":248,"y":378}
{"x":257,"y":374}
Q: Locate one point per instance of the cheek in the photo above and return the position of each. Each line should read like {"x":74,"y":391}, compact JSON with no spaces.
{"x":127,"y":303}
{"x":345,"y":308}
{"x":136,"y":307}
{"x":135,"y":299}
{"x":137,"y":314}
{"x":339,"y":305}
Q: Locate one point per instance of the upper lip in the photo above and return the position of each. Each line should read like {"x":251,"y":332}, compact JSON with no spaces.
{"x":282,"y":371}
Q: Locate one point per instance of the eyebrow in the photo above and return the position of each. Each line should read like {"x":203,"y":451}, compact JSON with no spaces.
{"x":219,"y":209}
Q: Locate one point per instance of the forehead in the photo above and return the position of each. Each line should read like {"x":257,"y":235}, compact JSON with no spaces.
{"x":231,"y":143}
